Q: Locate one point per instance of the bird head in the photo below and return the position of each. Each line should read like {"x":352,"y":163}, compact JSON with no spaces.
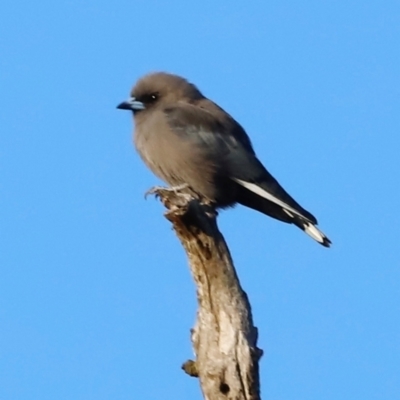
{"x":158,"y":90}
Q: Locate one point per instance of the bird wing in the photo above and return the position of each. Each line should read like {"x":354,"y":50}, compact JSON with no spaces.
{"x":226,"y":143}
{"x":210,"y":124}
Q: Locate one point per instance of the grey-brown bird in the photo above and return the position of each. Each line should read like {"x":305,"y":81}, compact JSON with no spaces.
{"x":188,"y":140}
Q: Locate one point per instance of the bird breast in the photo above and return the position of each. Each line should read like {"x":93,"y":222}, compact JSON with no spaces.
{"x":176,"y":157}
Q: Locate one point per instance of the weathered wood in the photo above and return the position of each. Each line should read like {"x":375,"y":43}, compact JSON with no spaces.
{"x":224,"y":337}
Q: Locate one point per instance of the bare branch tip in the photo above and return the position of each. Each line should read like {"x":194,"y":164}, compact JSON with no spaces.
{"x":190,"y":368}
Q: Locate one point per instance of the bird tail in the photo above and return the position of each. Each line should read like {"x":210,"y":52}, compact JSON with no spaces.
{"x":309,"y":228}
{"x":257,"y":197}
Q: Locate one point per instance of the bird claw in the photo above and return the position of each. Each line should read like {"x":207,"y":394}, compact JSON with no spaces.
{"x":172,"y":197}
{"x":158,"y":190}
{"x":154,"y":190}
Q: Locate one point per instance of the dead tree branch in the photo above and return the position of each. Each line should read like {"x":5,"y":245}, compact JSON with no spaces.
{"x":224,"y":337}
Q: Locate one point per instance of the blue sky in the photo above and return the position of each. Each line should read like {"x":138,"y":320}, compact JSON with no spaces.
{"x":96,"y":299}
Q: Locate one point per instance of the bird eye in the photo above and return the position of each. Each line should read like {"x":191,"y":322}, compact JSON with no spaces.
{"x":150,"y":98}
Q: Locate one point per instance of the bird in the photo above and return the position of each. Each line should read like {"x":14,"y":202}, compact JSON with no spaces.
{"x":187,"y":140}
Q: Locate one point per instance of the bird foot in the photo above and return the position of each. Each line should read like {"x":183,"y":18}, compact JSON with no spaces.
{"x":172,"y":198}
{"x":178,"y":201}
{"x":158,"y":191}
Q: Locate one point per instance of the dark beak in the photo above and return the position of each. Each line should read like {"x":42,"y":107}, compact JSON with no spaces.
{"x":131,"y":104}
